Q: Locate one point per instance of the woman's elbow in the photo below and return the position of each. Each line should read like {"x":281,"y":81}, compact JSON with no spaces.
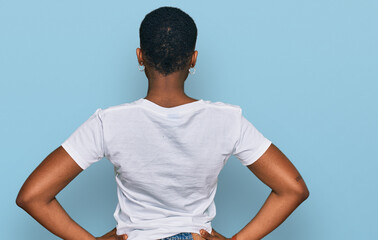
{"x":301,"y":192}
{"x":296,"y":192}
{"x":26,"y":198}
{"x":304,"y":194}
{"x":22,"y":201}
{"x":299,"y":188}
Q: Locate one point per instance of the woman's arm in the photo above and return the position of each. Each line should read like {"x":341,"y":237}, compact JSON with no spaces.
{"x":288,"y":191}
{"x":37,"y":196}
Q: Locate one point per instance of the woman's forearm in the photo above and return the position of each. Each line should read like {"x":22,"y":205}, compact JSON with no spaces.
{"x":55,"y":219}
{"x":273,"y":212}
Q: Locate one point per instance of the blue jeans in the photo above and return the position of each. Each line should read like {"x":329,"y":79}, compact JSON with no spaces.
{"x":180,"y":236}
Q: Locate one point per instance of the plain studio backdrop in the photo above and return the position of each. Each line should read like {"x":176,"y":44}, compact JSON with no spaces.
{"x":304,"y":72}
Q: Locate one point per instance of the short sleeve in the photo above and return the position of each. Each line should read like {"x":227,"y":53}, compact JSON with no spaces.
{"x":251,"y":144}
{"x":85,"y":144}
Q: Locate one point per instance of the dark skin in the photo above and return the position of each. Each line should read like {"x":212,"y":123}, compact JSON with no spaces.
{"x":167,"y":91}
{"x":288,"y":191}
{"x":37,"y":196}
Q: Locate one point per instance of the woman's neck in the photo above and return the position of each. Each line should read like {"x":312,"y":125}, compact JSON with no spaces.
{"x":167,"y":90}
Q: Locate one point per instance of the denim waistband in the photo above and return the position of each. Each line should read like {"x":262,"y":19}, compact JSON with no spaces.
{"x":180,"y":236}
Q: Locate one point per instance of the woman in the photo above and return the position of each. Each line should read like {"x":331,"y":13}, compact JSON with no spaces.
{"x":167,"y":150}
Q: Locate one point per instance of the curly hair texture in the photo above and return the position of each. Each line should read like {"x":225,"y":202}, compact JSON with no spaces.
{"x":167,"y":39}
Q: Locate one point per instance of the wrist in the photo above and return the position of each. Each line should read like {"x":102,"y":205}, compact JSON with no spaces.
{"x":234,"y":237}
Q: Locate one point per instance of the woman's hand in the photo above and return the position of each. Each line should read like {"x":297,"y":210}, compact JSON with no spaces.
{"x":112,"y":235}
{"x":213,"y":236}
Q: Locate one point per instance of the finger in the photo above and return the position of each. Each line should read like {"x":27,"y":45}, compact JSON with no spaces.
{"x":218,"y":234}
{"x":206,"y":235}
{"x":215,"y":233}
{"x":122,"y":237}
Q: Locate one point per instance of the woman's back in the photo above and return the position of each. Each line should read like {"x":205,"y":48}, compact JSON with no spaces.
{"x":166,"y":160}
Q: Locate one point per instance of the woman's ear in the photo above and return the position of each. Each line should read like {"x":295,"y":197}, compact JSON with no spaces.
{"x":194,"y":59}
{"x":139,"y":56}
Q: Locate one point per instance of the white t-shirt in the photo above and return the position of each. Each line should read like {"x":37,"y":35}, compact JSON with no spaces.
{"x":166,"y":160}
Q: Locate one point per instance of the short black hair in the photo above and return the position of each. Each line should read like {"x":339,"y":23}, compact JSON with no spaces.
{"x":167,"y":39}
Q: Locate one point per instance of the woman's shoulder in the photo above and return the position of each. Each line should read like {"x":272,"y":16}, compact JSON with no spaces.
{"x":222,"y":105}
{"x":121,"y":106}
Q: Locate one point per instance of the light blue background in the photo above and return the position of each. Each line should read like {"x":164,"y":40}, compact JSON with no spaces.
{"x":304,"y":72}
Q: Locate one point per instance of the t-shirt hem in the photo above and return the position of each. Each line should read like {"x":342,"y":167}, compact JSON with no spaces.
{"x":172,"y":232}
{"x":261,"y":150}
{"x":74,"y":155}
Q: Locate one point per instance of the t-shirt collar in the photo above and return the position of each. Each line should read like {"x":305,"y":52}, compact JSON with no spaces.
{"x":177,"y":109}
